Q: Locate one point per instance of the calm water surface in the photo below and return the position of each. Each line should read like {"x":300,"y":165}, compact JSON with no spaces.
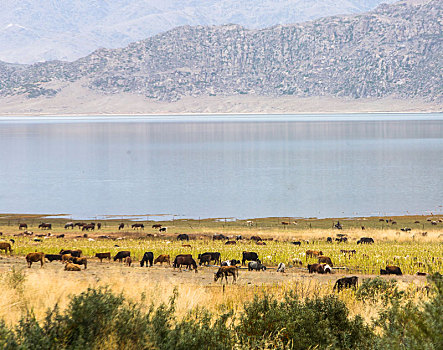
{"x":225,"y":166}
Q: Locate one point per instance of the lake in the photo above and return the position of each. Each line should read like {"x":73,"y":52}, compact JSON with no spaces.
{"x":223,"y":166}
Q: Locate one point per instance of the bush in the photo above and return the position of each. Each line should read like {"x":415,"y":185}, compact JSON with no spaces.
{"x":373,"y":289}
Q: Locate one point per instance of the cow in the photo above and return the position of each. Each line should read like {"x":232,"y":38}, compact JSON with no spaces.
{"x":285,"y":223}
{"x":230,"y":262}
{"x":346,"y":282}
{"x":219,"y":236}
{"x":297,"y":261}
{"x":183,"y":237}
{"x":162,"y":229}
{"x":77,"y":253}
{"x":80,"y":261}
{"x":249,"y":256}
{"x":162,"y":258}
{"x":238,"y":237}
{"x":44,"y":226}
{"x":421,"y":273}
{"x":185,"y":259}
{"x":69,"y":225}
{"x":121,"y":226}
{"x":319,"y":268}
{"x":341,"y":239}
{"x":60,"y":236}
{"x":256,"y":238}
{"x":66,"y":258}
{"x":99,"y":226}
{"x":207,"y":257}
{"x":88,"y":227}
{"x":325,"y":260}
{"x":121,"y":255}
{"x":35,"y":257}
{"x":157,"y":226}
{"x":365,"y":240}
{"x":72,"y":267}
{"x":313,"y":254}
{"x":406,"y":229}
{"x":226,"y":271}
{"x":391,"y":270}
{"x":260,"y":243}
{"x":6,"y":246}
{"x":230,"y":243}
{"x":281,"y":267}
{"x":128,"y":261}
{"x":148,"y":257}
{"x":338,"y":226}
{"x":22,"y":226}
{"x":52,"y":257}
{"x":80,"y":224}
{"x":134,"y":226}
{"x":256,"y":265}
{"x":329,"y":240}
{"x":102,"y":256}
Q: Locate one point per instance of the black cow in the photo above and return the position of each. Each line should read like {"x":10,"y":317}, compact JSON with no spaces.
{"x":256,"y":265}
{"x":296,"y":243}
{"x":134,"y":226}
{"x":346,"y":282}
{"x":342,"y":239}
{"x":69,"y":225}
{"x":207,"y":257}
{"x":121,"y":255}
{"x":183,"y":237}
{"x":365,"y":240}
{"x":232,"y":262}
{"x":147,"y":257}
{"x":238,"y":237}
{"x":329,"y":239}
{"x":121,"y":226}
{"x":219,"y":237}
{"x":88,"y":227}
{"x":76,"y":253}
{"x":338,"y":226}
{"x":52,"y":257}
{"x":249,"y":256}
{"x":44,"y":226}
{"x":391,"y":270}
{"x":406,"y":229}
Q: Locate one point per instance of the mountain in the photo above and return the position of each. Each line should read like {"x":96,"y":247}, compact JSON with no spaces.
{"x":42,"y":30}
{"x":392,"y":51}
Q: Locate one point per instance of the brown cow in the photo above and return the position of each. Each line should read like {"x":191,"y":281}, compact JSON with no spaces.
{"x":102,"y":256}
{"x":128,"y":261}
{"x":163,"y":258}
{"x":80,"y":261}
{"x":313,"y":254}
{"x":230,"y":242}
{"x":256,"y":238}
{"x":6,"y":246}
{"x":319,"y":268}
{"x":72,"y":267}
{"x":66,"y":258}
{"x":35,"y":257}
{"x":185,"y":259}
{"x":20,"y":226}
{"x":261,"y":243}
{"x":77,"y":253}
{"x":186,"y":246}
{"x":325,"y":260}
{"x":226,"y":271}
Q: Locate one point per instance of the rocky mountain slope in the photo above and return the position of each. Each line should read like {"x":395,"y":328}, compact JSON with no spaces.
{"x":42,"y":30}
{"x":395,"y":50}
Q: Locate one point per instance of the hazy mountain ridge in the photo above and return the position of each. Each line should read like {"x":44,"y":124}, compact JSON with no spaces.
{"x":42,"y":30}
{"x":395,"y":50}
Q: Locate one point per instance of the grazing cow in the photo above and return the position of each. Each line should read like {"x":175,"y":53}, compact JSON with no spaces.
{"x":319,"y":268}
{"x":338,"y":226}
{"x":391,"y":270}
{"x":66,"y":258}
{"x":35,"y":257}
{"x":134,"y":226}
{"x":329,"y":240}
{"x":297,"y":261}
{"x":185,"y":259}
{"x":405,"y":229}
{"x":226,"y":271}
{"x":249,"y":256}
{"x":325,"y":260}
{"x":394,"y":222}
{"x":157,"y":226}
{"x":341,"y":239}
{"x":88,"y":227}
{"x":77,"y":253}
{"x":296,"y":243}
{"x":148,"y":257}
{"x":44,"y":226}
{"x":416,"y":222}
{"x":238,"y":237}
{"x":6,"y":247}
{"x":281,"y":267}
{"x":230,"y":242}
{"x":348,"y":252}
{"x":52,"y":257}
{"x":183,"y":237}
{"x":121,"y":255}
{"x":381,"y":220}
{"x":22,"y":226}
{"x":421,"y":273}
{"x":260,"y":243}
{"x":102,"y":256}
{"x":362,"y":227}
{"x":80,"y":224}
{"x":162,"y":229}
{"x":230,"y":262}
{"x":365,"y":240}
{"x":313,"y":254}
{"x":256,"y":265}
{"x":60,"y":236}
{"x":249,"y":223}
{"x":69,"y":225}
{"x":121,"y":226}
{"x":256,"y":238}
{"x":346,"y":282}
{"x":207,"y":257}
{"x":162,"y":258}
{"x":80,"y":261}
{"x":219,"y":237}
{"x":128,"y":261}
{"x":72,"y":267}
{"x":284,"y":223}
{"x":186,"y":246}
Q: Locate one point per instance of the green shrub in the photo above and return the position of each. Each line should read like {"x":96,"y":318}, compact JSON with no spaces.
{"x":374,"y":289}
